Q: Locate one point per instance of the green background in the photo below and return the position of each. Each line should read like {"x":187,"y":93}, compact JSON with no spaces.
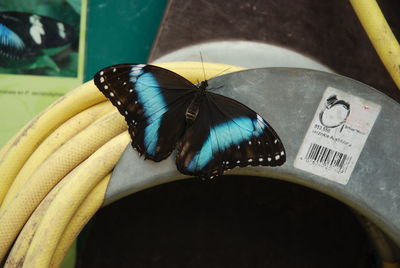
{"x":120,"y":31}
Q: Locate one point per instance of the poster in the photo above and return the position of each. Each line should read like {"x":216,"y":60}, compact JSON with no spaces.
{"x":42,"y":46}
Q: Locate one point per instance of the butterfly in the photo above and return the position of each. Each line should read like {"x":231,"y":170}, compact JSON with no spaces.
{"x":24,"y":35}
{"x":210,"y":132}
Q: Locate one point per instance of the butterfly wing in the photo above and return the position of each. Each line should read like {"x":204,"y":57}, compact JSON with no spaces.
{"x":227,"y":134}
{"x":153,"y":101}
{"x":23,"y":35}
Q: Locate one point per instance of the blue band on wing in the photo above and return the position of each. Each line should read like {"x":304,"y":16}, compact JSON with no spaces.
{"x":229,"y":133}
{"x":154,"y":106}
{"x":10,"y":39}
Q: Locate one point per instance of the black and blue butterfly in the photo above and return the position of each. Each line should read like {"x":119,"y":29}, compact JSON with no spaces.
{"x":24,"y":35}
{"x":210,"y":132}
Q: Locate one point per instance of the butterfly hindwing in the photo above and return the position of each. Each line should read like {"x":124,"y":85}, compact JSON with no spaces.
{"x":153,"y":102}
{"x":227,"y":134}
{"x":23,"y":35}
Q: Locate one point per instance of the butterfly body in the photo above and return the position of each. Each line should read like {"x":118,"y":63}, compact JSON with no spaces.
{"x":210,"y":132}
{"x":194,"y":107}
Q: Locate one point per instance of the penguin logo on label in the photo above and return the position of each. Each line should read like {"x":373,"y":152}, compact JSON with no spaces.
{"x":334,"y":113}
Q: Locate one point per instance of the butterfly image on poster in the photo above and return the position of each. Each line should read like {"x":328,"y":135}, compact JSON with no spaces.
{"x":211,"y":133}
{"x":24,"y":35}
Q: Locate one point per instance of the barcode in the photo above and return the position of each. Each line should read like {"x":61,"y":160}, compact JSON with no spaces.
{"x":323,"y":156}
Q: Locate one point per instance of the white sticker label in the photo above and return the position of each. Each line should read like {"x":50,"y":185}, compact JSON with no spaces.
{"x":337,"y":135}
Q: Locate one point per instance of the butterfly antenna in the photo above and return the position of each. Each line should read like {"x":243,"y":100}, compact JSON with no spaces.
{"x":202,"y":64}
{"x":220,"y":74}
{"x":223,"y":71}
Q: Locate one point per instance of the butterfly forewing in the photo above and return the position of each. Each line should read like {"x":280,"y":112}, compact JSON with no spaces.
{"x":153,"y":102}
{"x":227,"y":134}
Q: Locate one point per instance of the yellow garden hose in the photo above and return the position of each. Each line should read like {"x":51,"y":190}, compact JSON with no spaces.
{"x":8,"y":145}
{"x":60,"y":136}
{"x":380,"y":34}
{"x":39,"y":128}
{"x":83,"y":214}
{"x":21,"y":245}
{"x":47,"y":175}
{"x":62,"y":208}
{"x":51,"y":171}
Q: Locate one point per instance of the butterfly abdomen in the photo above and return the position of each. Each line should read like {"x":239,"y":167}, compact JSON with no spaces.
{"x":194,"y":107}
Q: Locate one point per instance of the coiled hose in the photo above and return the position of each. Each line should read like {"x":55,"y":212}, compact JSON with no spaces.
{"x":55,"y":171}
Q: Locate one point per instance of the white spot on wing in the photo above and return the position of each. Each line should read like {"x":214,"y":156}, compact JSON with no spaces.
{"x":118,"y":102}
{"x":102,"y":79}
{"x":36,"y":30}
{"x":111,"y":94}
{"x":61,"y":30}
{"x":105,"y":87}
{"x":277,"y":157}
